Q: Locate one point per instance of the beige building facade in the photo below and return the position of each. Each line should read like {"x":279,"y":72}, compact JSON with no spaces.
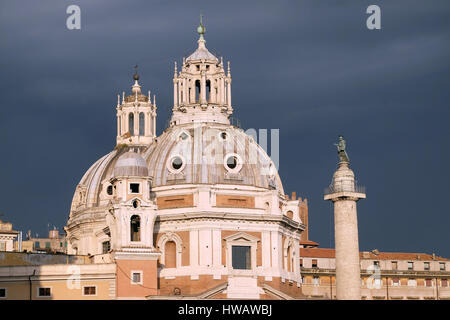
{"x":384,"y":275}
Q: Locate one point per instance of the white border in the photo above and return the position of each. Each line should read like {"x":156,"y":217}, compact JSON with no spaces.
{"x":169,"y":164}
{"x":129,"y":187}
{"x":141,"y":277}
{"x":238,"y":165}
{"x":51,"y":292}
{"x":89,"y":295}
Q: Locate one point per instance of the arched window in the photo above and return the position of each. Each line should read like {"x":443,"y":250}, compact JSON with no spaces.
{"x":289,"y":259}
{"x":131,"y":123}
{"x":170,"y":254}
{"x":197,"y":90}
{"x":135,"y":226}
{"x":290,"y":214}
{"x":141,"y":124}
{"x":208,"y":90}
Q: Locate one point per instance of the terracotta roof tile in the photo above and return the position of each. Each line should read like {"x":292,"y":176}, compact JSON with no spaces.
{"x":330,"y":253}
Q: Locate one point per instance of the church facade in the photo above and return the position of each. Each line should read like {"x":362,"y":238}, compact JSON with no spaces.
{"x":199,"y":209}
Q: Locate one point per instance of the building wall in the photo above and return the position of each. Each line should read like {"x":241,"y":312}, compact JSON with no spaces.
{"x":66,"y":282}
{"x":323,"y":287}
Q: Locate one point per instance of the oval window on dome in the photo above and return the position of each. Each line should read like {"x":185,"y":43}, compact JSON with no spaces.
{"x":223,"y":135}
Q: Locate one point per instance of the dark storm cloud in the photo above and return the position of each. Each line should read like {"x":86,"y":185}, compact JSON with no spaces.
{"x":310,"y":68}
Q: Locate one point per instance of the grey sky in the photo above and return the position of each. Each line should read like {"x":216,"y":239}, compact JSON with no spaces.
{"x":310,"y":68}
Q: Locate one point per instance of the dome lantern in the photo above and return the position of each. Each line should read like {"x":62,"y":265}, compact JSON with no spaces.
{"x":202,"y":89}
{"x":136,"y":116}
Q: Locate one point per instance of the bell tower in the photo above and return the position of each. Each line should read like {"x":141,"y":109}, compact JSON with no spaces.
{"x":136,"y":116}
{"x":202,"y":89}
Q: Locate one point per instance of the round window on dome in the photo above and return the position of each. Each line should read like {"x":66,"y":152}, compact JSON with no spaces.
{"x":233,"y":163}
{"x":176,"y":164}
{"x":223,"y":135}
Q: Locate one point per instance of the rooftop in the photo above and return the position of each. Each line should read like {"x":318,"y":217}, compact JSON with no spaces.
{"x":330,"y":253}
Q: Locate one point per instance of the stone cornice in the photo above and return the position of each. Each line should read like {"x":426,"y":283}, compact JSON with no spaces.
{"x":232,"y":216}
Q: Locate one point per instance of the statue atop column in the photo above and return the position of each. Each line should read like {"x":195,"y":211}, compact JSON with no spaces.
{"x":343,"y":156}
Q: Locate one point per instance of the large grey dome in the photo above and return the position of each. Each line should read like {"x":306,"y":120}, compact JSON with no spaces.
{"x":198,"y":154}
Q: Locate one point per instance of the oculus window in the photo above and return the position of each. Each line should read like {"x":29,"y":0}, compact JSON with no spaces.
{"x":177,"y":162}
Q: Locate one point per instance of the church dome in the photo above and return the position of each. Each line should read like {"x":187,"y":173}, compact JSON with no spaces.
{"x":210,"y":154}
{"x":130,"y":164}
{"x":202,"y":54}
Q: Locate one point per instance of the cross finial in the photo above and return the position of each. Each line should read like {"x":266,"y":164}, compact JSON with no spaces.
{"x":201,"y":28}
{"x":136,"y":76}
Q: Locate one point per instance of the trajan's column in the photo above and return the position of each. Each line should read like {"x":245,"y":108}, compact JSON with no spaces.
{"x":344,"y":193}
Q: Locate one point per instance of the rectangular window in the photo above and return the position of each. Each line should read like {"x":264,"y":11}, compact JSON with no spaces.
{"x":412,"y":282}
{"x":90,"y":291}
{"x":314,"y":263}
{"x":241,"y":257}
{"x":301,"y":262}
{"x":442,"y":266}
{"x":37,"y":245}
{"x":394,"y":265}
{"x":426,"y":266}
{"x":106,"y":246}
{"x":428,"y":283}
{"x":47,"y":245}
{"x":410,"y":265}
{"x":136,"y":277}
{"x":316,"y":280}
{"x":395,"y":282}
{"x":134,"y":187}
{"x":376,"y":263}
{"x":2,"y":292}
{"x":2,"y":246}
{"x":44,"y":292}
{"x":444,"y":283}
{"x":378,"y":283}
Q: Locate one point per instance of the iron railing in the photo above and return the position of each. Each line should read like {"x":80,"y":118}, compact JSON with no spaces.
{"x":344,"y":188}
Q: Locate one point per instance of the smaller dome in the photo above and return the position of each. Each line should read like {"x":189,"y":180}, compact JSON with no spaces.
{"x":130,"y":164}
{"x":202,"y":54}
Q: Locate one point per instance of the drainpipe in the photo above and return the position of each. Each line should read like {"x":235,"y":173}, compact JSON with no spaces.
{"x":387,"y":288}
{"x":31,"y":285}
{"x":331,"y":287}
{"x":437,"y":290}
